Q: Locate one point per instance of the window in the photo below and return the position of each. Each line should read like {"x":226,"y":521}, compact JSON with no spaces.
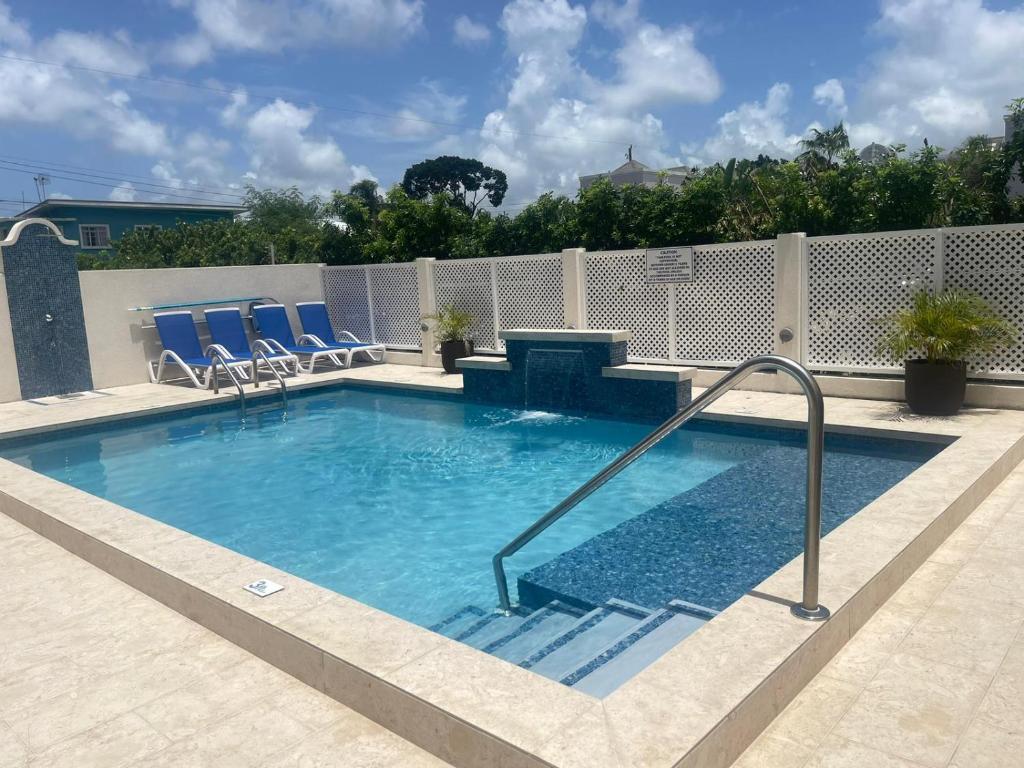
{"x":147,"y":226}
{"x":94,"y":235}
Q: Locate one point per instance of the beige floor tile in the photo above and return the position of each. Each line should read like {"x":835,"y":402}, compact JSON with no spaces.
{"x":13,"y":754}
{"x":840,"y":753}
{"x":984,"y":746}
{"x":354,"y":742}
{"x":241,"y":741}
{"x":126,"y":740}
{"x":812,"y":714}
{"x":1003,"y":705}
{"x":186,"y":711}
{"x":955,"y":631}
{"x":914,"y":709}
{"x":770,"y":752}
{"x":867,"y":651}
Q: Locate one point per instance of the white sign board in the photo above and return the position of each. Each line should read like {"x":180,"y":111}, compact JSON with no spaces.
{"x":264,"y":587}
{"x":670,"y":265}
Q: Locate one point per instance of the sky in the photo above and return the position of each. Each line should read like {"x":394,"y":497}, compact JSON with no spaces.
{"x":179,"y":100}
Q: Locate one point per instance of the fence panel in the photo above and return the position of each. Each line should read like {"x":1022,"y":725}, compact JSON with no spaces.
{"x":348,"y":300}
{"x":530,"y":292}
{"x":469,"y":285}
{"x":727,"y":313}
{"x":618,"y":296}
{"x":989,"y":261}
{"x":855,"y":280}
{"x":396,"y":305}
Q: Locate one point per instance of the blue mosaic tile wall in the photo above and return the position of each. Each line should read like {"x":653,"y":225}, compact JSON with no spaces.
{"x":713,"y":543}
{"x":580,"y":388}
{"x":42,"y":278}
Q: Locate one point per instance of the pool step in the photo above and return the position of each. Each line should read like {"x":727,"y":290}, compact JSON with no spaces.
{"x":594,"y":651}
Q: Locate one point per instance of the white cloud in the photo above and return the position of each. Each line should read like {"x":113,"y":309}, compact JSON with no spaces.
{"x":831,"y":95}
{"x":751,"y":129}
{"x":560,"y":121}
{"x":947,"y":69}
{"x":123,"y":193}
{"x":83,"y":103}
{"x":271,"y":26}
{"x":283,"y":154}
{"x":469,"y":33}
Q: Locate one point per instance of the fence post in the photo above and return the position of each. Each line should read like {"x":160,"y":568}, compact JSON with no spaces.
{"x":427,"y":290}
{"x":572,"y":287}
{"x":790,"y":295}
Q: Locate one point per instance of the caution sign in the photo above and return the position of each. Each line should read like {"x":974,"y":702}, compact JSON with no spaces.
{"x":670,"y":265}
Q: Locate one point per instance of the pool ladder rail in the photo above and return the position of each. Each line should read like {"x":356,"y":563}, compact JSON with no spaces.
{"x":808,"y":608}
{"x":216,"y":358}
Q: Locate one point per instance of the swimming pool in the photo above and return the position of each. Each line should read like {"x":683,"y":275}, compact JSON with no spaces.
{"x":400,"y":501}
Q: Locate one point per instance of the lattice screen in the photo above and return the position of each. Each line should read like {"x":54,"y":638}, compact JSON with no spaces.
{"x":467,"y":284}
{"x":530,"y":293}
{"x":852,"y":282}
{"x":990,"y":263}
{"x":347,"y":301}
{"x":618,"y":296}
{"x":727,"y":313}
{"x":396,"y":304}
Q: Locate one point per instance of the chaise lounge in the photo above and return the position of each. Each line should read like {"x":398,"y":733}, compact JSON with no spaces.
{"x":272,"y":323}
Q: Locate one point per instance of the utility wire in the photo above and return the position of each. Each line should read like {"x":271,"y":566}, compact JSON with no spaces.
{"x":47,"y":167}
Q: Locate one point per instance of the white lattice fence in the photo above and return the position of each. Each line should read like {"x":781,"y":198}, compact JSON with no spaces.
{"x":395,"y":302}
{"x":855,"y":280}
{"x":469,"y":285}
{"x":347,"y":297}
{"x":989,"y":261}
{"x":727,"y":313}
{"x":529,"y":291}
{"x":618,"y":296}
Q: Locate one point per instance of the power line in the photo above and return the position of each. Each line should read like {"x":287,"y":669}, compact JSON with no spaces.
{"x":328,"y":107}
{"x":191,"y":198}
{"x":71,"y":168}
{"x":50,"y":166}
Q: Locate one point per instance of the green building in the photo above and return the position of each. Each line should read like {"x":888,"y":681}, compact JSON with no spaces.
{"x":97,"y":224}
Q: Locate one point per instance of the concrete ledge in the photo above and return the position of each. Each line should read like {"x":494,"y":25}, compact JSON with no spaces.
{"x":484,"y":362}
{"x":563,"y":334}
{"x":649,"y":372}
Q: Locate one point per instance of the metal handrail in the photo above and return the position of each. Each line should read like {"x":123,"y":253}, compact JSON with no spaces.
{"x":214,"y":358}
{"x":808,"y":608}
{"x":256,"y":355}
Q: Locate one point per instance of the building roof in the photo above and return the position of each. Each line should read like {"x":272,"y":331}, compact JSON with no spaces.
{"x":50,"y":203}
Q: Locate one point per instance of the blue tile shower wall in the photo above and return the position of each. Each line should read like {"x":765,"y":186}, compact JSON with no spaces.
{"x":590,"y":392}
{"x":42,"y":278}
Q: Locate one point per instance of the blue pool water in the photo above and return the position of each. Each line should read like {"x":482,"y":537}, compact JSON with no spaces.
{"x":400,"y":501}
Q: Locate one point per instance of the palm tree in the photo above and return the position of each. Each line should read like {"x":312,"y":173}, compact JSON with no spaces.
{"x":822,"y":147}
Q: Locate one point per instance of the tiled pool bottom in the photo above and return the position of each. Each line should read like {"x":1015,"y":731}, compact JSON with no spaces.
{"x":400,"y":501}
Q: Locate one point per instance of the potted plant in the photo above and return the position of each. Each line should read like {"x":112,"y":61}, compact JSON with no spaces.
{"x":452,"y":328}
{"x":945,"y":329}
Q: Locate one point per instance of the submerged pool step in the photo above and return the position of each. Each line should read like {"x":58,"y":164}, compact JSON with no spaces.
{"x":594,"y":652}
{"x":635,"y":649}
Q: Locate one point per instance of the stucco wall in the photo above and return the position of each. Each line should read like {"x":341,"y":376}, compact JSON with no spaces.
{"x":9,"y":387}
{"x":118,"y":345}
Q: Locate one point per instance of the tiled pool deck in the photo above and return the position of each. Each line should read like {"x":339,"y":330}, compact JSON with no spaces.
{"x":712,"y":693}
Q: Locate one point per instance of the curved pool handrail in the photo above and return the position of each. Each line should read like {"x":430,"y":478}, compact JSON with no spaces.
{"x":808,"y":608}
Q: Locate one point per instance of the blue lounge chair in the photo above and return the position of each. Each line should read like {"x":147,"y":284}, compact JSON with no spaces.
{"x":181,"y":348}
{"x":228,"y":336}
{"x":272,"y":322}
{"x":317,"y":328}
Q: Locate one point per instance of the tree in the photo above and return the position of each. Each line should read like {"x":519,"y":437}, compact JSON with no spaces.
{"x":466,"y":181}
{"x":823,"y":147}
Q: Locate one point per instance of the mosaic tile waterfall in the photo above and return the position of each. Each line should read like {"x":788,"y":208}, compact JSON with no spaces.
{"x":573,"y":371}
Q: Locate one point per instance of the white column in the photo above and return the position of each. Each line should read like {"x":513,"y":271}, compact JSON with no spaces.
{"x":427,"y":291}
{"x":572,"y":287}
{"x":790,"y":294}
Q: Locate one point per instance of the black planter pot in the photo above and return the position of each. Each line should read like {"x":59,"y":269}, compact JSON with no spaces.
{"x":452,"y":351}
{"x":935,"y":389}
